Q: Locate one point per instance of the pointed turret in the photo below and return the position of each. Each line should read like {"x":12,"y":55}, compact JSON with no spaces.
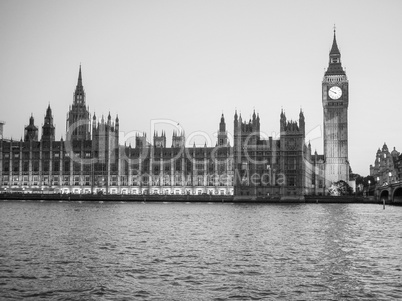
{"x":235,"y":123}
{"x":93,"y":125}
{"x":301,"y":114}
{"x":48,"y":129}
{"x":109,"y":120}
{"x":222,"y":134}
{"x":282,"y":121}
{"x":394,"y":153}
{"x":117,"y":124}
{"x":258,"y":122}
{"x":302,"y":123}
{"x":49,"y":112}
{"x":31,"y":131}
{"x":222,"y":124}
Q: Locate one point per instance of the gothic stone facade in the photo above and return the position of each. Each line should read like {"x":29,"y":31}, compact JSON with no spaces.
{"x":91,"y":159}
{"x":387,"y":167}
{"x":272,"y":167}
{"x":335,"y":101}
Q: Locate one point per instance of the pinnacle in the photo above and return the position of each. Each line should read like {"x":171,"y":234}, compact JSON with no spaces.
{"x":334,"y":49}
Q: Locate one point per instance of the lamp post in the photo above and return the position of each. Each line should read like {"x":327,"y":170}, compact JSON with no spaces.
{"x":368,"y":189}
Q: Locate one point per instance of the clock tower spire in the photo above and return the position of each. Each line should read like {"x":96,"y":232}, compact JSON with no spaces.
{"x":335,"y":65}
{"x":335,"y":101}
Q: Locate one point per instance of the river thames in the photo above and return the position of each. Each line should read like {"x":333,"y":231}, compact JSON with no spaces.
{"x":197,"y":251}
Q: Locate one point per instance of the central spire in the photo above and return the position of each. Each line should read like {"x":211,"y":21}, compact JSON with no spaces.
{"x":79,"y":94}
{"x":78,"y":118}
{"x":79,"y":84}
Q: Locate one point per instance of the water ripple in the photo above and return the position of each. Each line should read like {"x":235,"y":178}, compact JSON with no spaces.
{"x":125,"y":251}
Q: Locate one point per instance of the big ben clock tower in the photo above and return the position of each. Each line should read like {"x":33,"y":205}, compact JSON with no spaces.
{"x":335,"y":102}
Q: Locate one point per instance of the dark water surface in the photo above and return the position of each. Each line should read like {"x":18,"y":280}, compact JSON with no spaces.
{"x":177,"y":251}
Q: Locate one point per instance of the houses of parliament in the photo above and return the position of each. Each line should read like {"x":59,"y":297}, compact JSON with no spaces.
{"x":91,"y":159}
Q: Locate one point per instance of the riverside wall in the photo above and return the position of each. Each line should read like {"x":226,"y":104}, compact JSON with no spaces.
{"x":188,"y":198}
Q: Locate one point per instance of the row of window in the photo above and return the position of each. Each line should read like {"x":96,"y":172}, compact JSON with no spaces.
{"x":102,"y":184}
{"x":36,"y":155}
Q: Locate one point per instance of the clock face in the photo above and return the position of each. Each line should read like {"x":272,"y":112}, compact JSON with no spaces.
{"x":335,"y":92}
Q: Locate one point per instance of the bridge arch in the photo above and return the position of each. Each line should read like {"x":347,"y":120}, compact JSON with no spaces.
{"x":384,"y":195}
{"x":397,"y":196}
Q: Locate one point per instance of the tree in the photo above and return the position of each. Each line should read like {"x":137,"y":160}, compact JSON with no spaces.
{"x":340,"y":188}
{"x":353,"y":176}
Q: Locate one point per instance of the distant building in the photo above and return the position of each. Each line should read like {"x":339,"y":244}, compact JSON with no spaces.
{"x":272,"y":167}
{"x":387,"y":167}
{"x":91,"y":159}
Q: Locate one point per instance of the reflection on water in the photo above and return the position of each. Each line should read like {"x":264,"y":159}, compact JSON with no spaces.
{"x":168,"y":251}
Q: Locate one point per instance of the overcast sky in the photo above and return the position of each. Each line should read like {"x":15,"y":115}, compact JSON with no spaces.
{"x":188,"y":62}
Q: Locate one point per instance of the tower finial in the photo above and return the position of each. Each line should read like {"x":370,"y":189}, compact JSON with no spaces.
{"x":79,"y":77}
{"x":334,"y":49}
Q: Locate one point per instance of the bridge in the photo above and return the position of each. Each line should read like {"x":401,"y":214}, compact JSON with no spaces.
{"x":391,"y":193}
